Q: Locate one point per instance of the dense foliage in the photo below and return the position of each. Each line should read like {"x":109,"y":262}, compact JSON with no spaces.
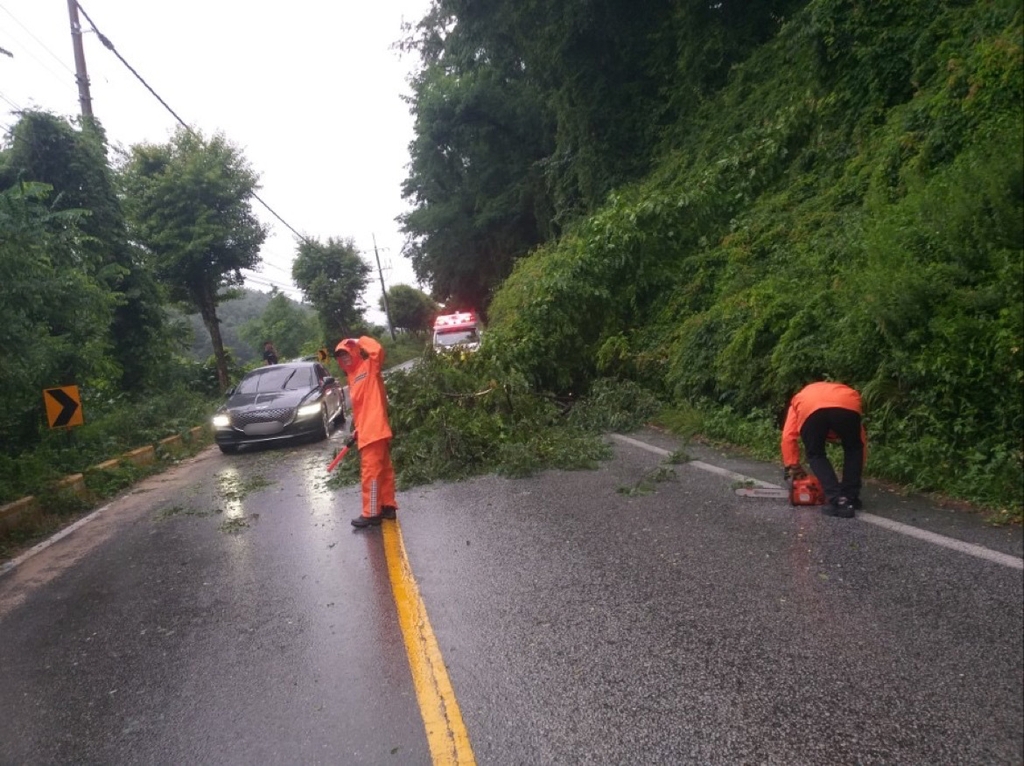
{"x":47,"y":149}
{"x":456,"y":416}
{"x":55,"y":314}
{"x":844,"y":198}
{"x":529,"y":113}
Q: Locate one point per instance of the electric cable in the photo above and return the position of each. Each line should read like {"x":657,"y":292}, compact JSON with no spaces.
{"x":257,"y":276}
{"x":16,"y":107}
{"x":110,"y":46}
{"x":257,"y":279}
{"x":27,"y":51}
{"x":41,"y":44}
{"x":276,"y":267}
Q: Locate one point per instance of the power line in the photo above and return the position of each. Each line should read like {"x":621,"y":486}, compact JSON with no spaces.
{"x":62,"y":80}
{"x":41,"y":44}
{"x":110,"y":46}
{"x":16,"y":107}
{"x":276,"y":267}
{"x":291,"y":292}
{"x":269,"y":281}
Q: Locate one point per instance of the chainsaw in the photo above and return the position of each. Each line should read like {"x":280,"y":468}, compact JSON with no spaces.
{"x":803,"y":491}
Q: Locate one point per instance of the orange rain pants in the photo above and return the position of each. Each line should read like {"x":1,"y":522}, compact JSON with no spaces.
{"x":378,"y":476}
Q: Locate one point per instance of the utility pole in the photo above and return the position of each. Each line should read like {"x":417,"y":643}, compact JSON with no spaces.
{"x":81,"y":76}
{"x":383,"y":290}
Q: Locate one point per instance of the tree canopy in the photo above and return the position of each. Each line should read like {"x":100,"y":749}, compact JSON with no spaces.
{"x":333,"y":277}
{"x":411,"y":309}
{"x":190,"y":206}
{"x":73,"y":161}
{"x":527,"y":114}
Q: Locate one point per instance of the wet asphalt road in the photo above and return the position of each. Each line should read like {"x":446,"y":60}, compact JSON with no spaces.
{"x":225,"y":612}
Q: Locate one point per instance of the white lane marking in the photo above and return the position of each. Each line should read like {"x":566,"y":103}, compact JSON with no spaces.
{"x":946,"y":542}
{"x":51,"y":540}
{"x":697,"y":463}
{"x":970,"y":549}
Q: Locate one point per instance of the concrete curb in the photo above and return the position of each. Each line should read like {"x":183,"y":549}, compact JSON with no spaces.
{"x":18,"y":512}
{"x":12,"y":514}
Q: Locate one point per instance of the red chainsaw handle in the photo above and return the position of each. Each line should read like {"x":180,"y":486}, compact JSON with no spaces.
{"x":337,"y":458}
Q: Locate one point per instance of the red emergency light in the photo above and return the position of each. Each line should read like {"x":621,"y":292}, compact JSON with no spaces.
{"x":458,"y":319}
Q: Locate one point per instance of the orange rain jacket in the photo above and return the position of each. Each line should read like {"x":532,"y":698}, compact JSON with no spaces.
{"x":809,"y":399}
{"x":366,"y":389}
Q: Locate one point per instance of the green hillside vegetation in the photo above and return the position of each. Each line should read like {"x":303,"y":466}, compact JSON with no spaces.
{"x":722,"y":202}
{"x":850,"y":205}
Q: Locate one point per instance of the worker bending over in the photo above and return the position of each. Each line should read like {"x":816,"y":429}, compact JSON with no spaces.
{"x":818,"y":413}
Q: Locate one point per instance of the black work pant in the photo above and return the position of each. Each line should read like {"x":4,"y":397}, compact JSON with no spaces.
{"x":846,"y":425}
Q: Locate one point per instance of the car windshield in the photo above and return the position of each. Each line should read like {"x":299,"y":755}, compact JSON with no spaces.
{"x":455,"y":337}
{"x":277,"y":379}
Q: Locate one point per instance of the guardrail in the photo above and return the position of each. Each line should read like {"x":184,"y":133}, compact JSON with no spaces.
{"x":16,"y":513}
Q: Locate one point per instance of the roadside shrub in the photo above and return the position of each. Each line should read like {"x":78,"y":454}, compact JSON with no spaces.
{"x":114,"y":424}
{"x":614,"y":405}
{"x":456,"y":416}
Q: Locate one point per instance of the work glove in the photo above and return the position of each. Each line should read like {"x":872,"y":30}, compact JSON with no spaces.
{"x":794,"y":472}
{"x":353,"y":438}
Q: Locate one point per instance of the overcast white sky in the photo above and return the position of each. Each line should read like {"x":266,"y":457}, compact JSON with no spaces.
{"x":310,"y":90}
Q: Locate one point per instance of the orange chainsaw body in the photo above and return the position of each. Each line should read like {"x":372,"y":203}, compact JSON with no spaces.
{"x":806,"y":491}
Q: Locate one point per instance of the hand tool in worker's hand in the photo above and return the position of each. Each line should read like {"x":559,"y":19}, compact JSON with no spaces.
{"x":337,"y":458}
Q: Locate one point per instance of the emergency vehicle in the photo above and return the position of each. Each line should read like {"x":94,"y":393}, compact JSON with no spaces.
{"x":461,"y":329}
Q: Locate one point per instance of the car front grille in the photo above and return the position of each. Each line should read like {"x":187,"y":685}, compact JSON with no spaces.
{"x":242,"y":419}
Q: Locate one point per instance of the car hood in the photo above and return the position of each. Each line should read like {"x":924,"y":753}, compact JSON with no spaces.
{"x":268,"y":399}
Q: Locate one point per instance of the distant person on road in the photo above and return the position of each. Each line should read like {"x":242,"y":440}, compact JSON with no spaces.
{"x":818,"y":413}
{"x":361,"y":360}
{"x":269,"y":353}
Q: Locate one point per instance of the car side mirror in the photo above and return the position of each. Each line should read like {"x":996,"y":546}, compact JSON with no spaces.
{"x":329,"y":380}
{"x":229,"y":392}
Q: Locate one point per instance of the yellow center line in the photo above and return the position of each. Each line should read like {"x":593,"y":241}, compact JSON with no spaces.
{"x":446,"y":732}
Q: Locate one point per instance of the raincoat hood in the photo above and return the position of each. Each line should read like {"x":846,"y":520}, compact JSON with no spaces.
{"x":351,"y":347}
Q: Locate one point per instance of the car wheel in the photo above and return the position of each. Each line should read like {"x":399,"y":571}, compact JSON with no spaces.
{"x":228,"y":449}
{"x":339,"y":418}
{"x":326,"y":430}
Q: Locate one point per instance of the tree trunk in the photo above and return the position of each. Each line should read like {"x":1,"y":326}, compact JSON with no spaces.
{"x":208,"y":311}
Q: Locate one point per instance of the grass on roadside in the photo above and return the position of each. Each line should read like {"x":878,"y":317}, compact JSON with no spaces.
{"x":113,"y":425}
{"x":105,"y":435}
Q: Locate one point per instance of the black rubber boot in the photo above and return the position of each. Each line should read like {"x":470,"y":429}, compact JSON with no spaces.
{"x":840,"y":507}
{"x":366,"y":521}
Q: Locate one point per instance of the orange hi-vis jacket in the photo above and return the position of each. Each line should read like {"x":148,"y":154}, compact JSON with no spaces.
{"x":811,"y":398}
{"x":366,"y":389}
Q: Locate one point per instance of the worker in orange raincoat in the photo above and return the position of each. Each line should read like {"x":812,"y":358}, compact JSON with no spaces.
{"x":361,"y":360}
{"x":818,"y":413}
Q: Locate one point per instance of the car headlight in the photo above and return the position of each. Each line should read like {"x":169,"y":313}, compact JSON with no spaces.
{"x":309,"y":409}
{"x":221,"y":421}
